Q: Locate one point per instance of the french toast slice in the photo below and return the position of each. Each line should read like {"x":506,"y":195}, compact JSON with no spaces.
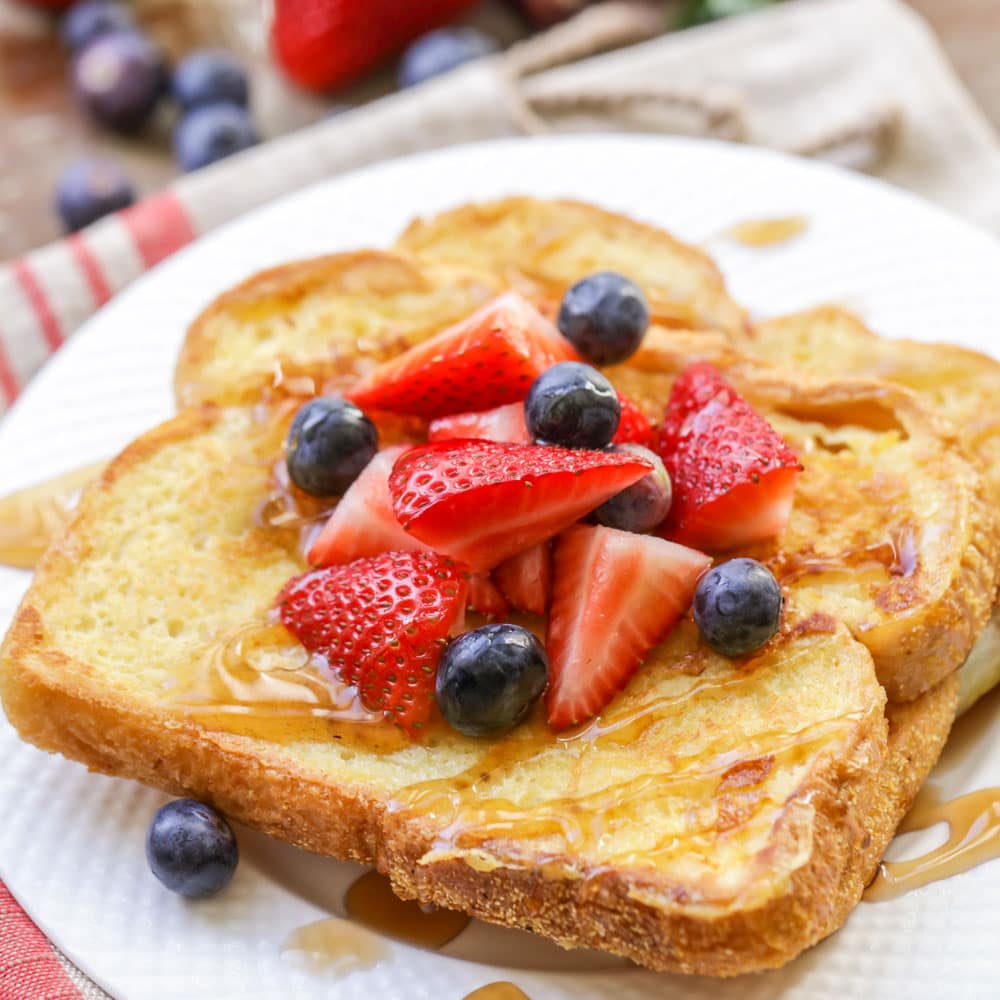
{"x":893,"y":531}
{"x":542,"y":246}
{"x":717,"y":818}
{"x":320,"y":321}
{"x":831,"y":342}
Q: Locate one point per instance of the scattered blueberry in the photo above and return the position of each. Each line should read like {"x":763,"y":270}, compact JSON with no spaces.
{"x":84,"y":22}
{"x":441,"y":51}
{"x":119,"y":79}
{"x":212,"y":133}
{"x":643,"y":505}
{"x":488,"y":679}
{"x":572,"y":405}
{"x":737,"y":606}
{"x":604,"y":316}
{"x":329,"y":443}
{"x":90,"y":189}
{"x":210,"y":76}
{"x":191,"y":849}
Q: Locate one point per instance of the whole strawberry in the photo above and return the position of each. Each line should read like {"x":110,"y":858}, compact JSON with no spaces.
{"x":381,"y":624}
{"x":323,"y":43}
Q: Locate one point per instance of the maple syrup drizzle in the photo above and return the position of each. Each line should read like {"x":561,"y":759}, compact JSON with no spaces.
{"x":335,"y":946}
{"x":31,"y":518}
{"x":371,"y":902}
{"x":498,"y":991}
{"x":767,"y":232}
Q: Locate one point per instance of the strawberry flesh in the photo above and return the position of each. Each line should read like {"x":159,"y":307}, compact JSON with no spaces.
{"x":615,"y":596}
{"x":504,"y":423}
{"x":487,"y":360}
{"x":733,"y":475}
{"x":525,"y":579}
{"x":363,"y":522}
{"x":485,"y":596}
{"x":482,"y":502}
{"x":633,"y":427}
{"x":381,"y":624}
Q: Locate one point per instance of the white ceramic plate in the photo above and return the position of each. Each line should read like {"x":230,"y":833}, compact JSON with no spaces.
{"x":71,"y":844}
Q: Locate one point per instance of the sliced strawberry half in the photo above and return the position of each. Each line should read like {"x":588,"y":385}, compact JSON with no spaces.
{"x":485,"y":596}
{"x":525,"y":579}
{"x":615,"y":596}
{"x":503,"y":423}
{"x":487,"y":360}
{"x":733,"y":475}
{"x":363,"y":522}
{"x":633,"y":427}
{"x":381,"y":623}
{"x":483,"y":501}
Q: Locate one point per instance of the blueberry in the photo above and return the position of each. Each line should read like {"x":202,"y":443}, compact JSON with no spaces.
{"x":643,"y":505}
{"x":210,"y":76}
{"x":213,"y":133}
{"x":90,"y":189}
{"x":488,"y":679}
{"x":440,"y":51}
{"x":191,"y":849}
{"x":119,"y":79}
{"x":737,"y":606}
{"x":604,"y":316}
{"x":329,"y":443}
{"x":91,"y":19}
{"x":572,"y":405}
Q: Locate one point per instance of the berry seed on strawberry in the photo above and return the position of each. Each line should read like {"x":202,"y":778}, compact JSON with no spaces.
{"x":382,"y":624}
{"x":615,"y":596}
{"x":483,"y":501}
{"x":633,"y":427}
{"x":733,"y":475}
{"x":489,"y":359}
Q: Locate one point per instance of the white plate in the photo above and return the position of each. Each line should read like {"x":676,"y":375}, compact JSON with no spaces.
{"x":71,"y":844}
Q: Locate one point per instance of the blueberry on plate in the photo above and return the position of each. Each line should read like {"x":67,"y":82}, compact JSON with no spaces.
{"x":604,"y":316}
{"x":572,"y":405}
{"x":87,"y":190}
{"x":191,"y":849}
{"x":441,"y":51}
{"x":119,"y":79}
{"x":209,"y":76}
{"x":329,"y":443}
{"x":213,"y":133}
{"x":642,"y":506}
{"x":488,"y":679}
{"x":91,"y":19}
{"x":737,"y":606}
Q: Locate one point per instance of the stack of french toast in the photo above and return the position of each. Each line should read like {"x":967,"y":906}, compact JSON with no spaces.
{"x":714,"y":814}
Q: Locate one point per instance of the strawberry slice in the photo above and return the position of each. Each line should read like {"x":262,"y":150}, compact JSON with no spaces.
{"x":525,"y":579}
{"x":615,"y":596}
{"x":633,"y":427}
{"x":381,"y":624}
{"x":363,"y":522}
{"x":485,"y":596}
{"x":484,"y":501}
{"x":505,"y":423}
{"x":487,"y":360}
{"x":733,"y":475}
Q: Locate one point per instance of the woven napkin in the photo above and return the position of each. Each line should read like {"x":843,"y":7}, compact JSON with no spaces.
{"x":860,"y":82}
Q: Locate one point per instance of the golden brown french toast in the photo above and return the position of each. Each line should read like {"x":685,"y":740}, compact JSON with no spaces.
{"x":831,"y":342}
{"x":540,"y":247}
{"x":718,"y":817}
{"x":323,"y":319}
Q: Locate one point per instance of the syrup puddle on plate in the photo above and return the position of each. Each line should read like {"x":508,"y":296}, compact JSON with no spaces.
{"x":974,"y":838}
{"x":32,"y":517}
{"x":767,"y":232}
{"x":497,"y":991}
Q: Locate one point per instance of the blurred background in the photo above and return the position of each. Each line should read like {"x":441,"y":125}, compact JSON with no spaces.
{"x":103,"y":103}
